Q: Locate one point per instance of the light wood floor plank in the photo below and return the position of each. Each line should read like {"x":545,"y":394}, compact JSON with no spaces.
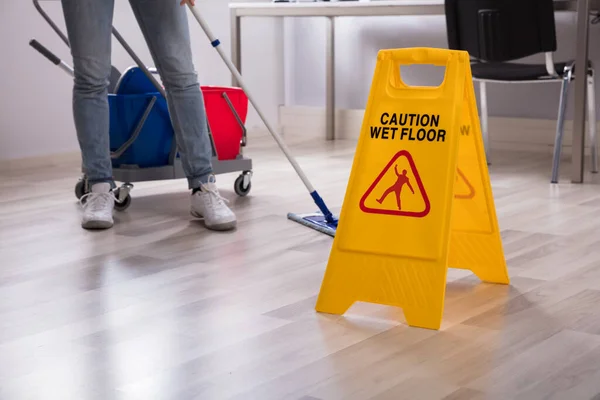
{"x":161,"y":308}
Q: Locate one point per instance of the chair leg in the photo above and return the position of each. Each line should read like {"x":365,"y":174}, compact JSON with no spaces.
{"x":591,"y":100}
{"x":484,"y":119}
{"x":560,"y":125}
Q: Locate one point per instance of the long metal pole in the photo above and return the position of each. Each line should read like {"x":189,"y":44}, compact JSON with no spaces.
{"x":330,"y":80}
{"x":51,"y":22}
{"x":217,"y":45}
{"x":236,"y":46}
{"x":581,"y":63}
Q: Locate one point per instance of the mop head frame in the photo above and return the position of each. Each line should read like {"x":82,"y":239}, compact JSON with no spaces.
{"x":316,"y":221}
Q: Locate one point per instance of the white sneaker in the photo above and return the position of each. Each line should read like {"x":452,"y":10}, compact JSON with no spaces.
{"x":98,"y":207}
{"x":207,"y":203}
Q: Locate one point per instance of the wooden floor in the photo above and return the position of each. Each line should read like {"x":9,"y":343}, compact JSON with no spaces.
{"x":161,"y":308}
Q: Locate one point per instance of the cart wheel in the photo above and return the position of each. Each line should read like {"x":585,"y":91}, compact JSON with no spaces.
{"x":124,"y":205}
{"x":80,"y":189}
{"x":239,"y":187}
{"x":123,"y":189}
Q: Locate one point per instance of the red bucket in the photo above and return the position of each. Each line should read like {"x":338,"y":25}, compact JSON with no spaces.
{"x":226,"y":131}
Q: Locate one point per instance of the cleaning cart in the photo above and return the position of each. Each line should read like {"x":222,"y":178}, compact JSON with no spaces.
{"x":142,"y":140}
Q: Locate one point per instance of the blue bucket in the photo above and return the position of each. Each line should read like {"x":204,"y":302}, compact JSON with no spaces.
{"x":153,"y":145}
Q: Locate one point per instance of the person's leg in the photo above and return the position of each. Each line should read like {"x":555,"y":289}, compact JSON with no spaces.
{"x":165,"y":28}
{"x":385,"y":194}
{"x":89,"y":25}
{"x":164,"y":24}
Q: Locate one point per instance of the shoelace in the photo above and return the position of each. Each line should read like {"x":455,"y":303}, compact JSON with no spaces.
{"x":97,"y":201}
{"x":216,"y":197}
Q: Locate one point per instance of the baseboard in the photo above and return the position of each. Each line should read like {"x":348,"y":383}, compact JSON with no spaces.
{"x":44,"y":161}
{"x":517,"y":134}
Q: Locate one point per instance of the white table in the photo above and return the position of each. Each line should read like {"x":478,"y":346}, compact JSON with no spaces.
{"x":330,"y":10}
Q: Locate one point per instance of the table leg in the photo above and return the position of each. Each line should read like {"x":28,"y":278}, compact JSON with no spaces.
{"x":236,"y":45}
{"x":581,"y":62}
{"x":330,"y":80}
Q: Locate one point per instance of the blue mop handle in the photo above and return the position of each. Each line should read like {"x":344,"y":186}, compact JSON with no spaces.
{"x":321,"y":204}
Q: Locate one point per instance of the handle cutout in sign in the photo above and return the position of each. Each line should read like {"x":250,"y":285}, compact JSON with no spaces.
{"x":422,"y":75}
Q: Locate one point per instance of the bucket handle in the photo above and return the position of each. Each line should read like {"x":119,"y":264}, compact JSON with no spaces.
{"x":119,"y":152}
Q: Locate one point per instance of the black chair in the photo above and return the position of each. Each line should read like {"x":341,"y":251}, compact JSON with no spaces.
{"x":496,"y":33}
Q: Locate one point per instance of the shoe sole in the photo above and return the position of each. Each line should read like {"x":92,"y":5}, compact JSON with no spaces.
{"x":95,"y":225}
{"x":226,"y":226}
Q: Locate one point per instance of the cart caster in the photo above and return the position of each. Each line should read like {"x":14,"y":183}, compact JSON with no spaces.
{"x":242,"y":184}
{"x":80,"y":189}
{"x":123,"y":198}
{"x":123,"y":205}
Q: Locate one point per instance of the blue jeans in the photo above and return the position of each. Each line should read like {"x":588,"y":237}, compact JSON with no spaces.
{"x":164,"y":25}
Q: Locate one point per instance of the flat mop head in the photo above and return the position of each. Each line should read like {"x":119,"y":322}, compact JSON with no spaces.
{"x":315,"y":221}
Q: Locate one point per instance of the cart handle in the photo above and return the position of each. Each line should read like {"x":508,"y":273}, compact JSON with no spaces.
{"x":45,"y":52}
{"x":49,"y":20}
{"x":51,"y":56}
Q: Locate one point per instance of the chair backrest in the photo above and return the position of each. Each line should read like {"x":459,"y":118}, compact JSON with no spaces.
{"x":501,"y":30}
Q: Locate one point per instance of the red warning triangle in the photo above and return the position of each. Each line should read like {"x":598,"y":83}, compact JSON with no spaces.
{"x":398,"y":190}
{"x":463,"y":188}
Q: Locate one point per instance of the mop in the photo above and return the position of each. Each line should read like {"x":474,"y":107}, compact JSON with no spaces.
{"x":322,"y":221}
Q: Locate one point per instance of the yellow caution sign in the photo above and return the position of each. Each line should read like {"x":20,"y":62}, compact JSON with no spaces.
{"x":419,"y":199}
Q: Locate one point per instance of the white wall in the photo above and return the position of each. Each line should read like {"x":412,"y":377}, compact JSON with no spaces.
{"x":40,"y":122}
{"x":359,"y":39}
{"x":35,"y":105}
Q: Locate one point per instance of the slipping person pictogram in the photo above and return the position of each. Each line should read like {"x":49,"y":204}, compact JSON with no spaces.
{"x":401,"y":180}
{"x":416,"y":205}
